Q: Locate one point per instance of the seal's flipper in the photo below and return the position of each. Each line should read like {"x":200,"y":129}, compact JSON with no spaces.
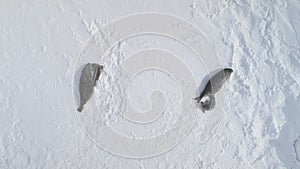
{"x":198,"y":99}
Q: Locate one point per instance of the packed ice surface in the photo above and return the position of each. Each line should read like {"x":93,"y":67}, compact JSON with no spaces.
{"x":40,"y":44}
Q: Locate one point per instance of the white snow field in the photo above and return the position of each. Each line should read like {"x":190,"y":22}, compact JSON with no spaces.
{"x":157,"y":56}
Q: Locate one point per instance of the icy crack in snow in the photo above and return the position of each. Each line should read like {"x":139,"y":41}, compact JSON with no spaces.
{"x":295,"y":149}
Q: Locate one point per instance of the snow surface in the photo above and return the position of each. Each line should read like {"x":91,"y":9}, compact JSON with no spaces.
{"x":259,"y":126}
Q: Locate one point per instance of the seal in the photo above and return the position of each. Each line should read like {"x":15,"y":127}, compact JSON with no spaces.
{"x":213,"y":85}
{"x":89,"y":76}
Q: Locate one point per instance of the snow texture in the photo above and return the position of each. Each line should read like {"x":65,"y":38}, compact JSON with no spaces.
{"x":42,"y":40}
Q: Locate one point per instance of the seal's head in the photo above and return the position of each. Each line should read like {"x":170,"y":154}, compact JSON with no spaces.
{"x":228,"y":72}
{"x":101,"y":67}
{"x":98,"y":67}
{"x":208,"y":103}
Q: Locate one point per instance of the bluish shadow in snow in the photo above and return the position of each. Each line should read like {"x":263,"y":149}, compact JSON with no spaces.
{"x":289,"y":134}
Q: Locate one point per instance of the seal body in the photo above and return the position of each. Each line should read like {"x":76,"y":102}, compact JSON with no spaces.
{"x":89,"y":76}
{"x":213,"y":85}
